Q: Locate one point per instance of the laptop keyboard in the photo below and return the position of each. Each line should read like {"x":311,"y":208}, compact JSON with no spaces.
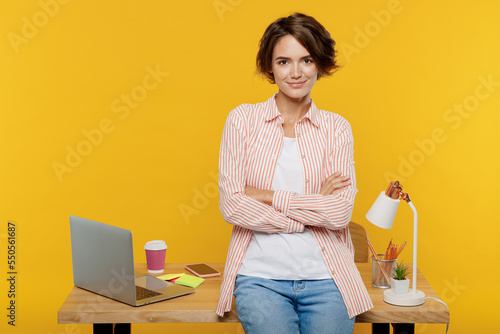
{"x":142,"y":293}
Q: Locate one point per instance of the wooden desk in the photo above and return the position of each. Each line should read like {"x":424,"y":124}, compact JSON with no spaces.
{"x":83,"y":307}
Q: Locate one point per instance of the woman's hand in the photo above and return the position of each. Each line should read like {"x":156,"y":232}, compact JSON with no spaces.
{"x":335,"y":184}
{"x":264,"y":196}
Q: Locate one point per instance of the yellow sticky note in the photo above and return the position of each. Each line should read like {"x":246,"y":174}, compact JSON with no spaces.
{"x":189,"y":280}
{"x":168,"y":277}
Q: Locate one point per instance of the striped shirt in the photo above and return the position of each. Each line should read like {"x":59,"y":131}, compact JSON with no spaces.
{"x":250,"y":147}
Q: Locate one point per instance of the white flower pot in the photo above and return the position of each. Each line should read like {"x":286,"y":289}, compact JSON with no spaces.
{"x":400,"y":287}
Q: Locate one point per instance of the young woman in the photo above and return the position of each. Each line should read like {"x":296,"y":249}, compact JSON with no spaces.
{"x":287,"y":184}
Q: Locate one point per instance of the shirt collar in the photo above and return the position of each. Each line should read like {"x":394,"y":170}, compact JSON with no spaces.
{"x":271,"y":111}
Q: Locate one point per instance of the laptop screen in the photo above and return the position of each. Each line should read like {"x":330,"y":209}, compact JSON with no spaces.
{"x":103,"y":259}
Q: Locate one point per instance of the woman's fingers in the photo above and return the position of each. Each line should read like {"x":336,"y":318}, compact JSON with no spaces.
{"x":335,"y":184}
{"x":250,"y":191}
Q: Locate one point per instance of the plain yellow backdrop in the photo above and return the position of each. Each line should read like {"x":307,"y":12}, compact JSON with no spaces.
{"x":113,"y":111}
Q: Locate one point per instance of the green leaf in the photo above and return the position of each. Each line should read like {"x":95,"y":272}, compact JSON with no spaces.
{"x":400,"y":271}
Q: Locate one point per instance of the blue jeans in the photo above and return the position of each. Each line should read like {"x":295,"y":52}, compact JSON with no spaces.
{"x":290,"y":307}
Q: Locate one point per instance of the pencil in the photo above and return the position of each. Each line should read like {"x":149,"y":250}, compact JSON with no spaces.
{"x":372,"y":250}
{"x":387,"y":250}
{"x":400,"y":249}
{"x":376,"y":257}
{"x":390,"y":243}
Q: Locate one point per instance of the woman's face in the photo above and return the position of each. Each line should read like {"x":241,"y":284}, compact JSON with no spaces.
{"x":294,"y":70}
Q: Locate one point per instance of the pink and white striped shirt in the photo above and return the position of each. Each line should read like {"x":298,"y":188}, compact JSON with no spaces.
{"x":250,"y":147}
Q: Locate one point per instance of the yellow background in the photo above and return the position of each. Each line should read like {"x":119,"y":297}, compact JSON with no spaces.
{"x":407,"y":68}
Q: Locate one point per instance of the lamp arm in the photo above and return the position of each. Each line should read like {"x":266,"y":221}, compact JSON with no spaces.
{"x":414,"y":290}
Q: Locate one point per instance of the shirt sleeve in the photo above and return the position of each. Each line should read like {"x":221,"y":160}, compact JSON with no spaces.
{"x":236,"y":207}
{"x":334,"y":211}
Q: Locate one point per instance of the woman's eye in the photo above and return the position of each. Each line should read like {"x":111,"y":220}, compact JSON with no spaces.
{"x":282,"y":62}
{"x":308,"y":61}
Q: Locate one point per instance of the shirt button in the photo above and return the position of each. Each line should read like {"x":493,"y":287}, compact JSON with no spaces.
{"x":303,"y":156}
{"x":307,"y":181}
{"x":333,"y":273}
{"x":323,"y":249}
{"x":298,"y":135}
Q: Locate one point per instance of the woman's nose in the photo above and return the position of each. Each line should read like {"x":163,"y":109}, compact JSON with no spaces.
{"x":296,"y":71}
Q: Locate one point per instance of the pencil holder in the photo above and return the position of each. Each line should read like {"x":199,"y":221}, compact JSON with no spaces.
{"x":381,"y":271}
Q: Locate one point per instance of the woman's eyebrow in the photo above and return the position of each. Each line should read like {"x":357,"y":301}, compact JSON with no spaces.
{"x":287,"y":58}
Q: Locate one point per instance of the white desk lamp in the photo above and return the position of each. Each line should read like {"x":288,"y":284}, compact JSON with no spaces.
{"x":382,"y":214}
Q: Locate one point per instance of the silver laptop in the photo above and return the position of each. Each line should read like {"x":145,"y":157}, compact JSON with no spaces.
{"x":103,"y":262}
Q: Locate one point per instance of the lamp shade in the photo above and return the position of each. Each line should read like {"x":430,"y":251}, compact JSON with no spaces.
{"x":383,"y":211}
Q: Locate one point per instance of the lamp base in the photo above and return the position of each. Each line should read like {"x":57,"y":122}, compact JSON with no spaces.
{"x":408,"y":299}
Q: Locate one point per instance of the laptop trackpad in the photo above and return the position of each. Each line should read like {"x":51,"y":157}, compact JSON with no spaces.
{"x":151,"y":283}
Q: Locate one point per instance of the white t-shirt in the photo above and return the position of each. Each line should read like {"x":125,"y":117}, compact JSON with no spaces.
{"x":286,"y":256}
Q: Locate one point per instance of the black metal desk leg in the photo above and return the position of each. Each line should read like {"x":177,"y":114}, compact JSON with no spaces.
{"x":112,"y":329}
{"x":103,"y":328}
{"x":380,"y":329}
{"x":122,"y":329}
{"x":403,"y":328}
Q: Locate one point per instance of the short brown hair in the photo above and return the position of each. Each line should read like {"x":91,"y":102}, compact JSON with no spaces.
{"x":309,"y":32}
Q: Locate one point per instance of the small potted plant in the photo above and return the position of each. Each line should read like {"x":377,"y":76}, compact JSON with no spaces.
{"x":400,"y":284}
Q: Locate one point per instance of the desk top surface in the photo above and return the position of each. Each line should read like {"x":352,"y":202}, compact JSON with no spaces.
{"x":82,"y":306}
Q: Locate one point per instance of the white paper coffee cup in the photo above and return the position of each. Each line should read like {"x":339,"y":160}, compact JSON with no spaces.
{"x":155,"y":255}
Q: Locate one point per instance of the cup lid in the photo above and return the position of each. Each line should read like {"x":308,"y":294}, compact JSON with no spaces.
{"x":155,"y":245}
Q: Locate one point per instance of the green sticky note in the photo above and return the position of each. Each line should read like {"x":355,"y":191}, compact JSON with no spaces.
{"x":189,"y":280}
